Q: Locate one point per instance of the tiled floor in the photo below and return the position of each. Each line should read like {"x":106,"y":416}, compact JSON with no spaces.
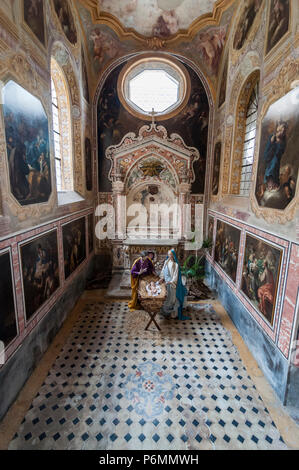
{"x":115,"y":386}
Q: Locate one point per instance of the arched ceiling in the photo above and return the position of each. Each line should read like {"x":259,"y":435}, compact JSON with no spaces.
{"x":165,"y":19}
{"x":162,"y":18}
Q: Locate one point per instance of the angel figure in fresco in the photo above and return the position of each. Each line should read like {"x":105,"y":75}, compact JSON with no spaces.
{"x":166,"y":25}
{"x":103,"y":44}
{"x":211,"y":43}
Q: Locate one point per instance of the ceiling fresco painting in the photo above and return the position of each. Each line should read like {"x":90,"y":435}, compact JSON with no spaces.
{"x":162,"y":18}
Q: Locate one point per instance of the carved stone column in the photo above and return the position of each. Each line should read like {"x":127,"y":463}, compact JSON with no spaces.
{"x":184,"y":192}
{"x":120,"y":209}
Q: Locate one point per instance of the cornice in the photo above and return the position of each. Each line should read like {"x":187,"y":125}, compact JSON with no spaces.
{"x":208,"y":19}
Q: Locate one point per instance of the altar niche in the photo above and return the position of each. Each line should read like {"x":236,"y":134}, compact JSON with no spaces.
{"x":151,"y":170}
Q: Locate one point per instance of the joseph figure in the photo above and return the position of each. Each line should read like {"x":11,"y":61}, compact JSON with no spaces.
{"x":143,"y":266}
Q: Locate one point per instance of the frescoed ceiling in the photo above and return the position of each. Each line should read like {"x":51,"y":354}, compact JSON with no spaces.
{"x":161,"y":18}
{"x":114,"y":28}
{"x":154,"y":18}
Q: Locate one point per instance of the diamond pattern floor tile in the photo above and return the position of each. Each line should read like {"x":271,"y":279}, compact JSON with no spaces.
{"x":115,"y":386}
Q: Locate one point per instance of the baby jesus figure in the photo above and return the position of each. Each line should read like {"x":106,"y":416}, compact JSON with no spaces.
{"x":153,"y":288}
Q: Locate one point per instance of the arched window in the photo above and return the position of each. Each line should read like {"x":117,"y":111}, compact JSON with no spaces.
{"x":249,"y":143}
{"x":244,"y":136}
{"x":62,"y":129}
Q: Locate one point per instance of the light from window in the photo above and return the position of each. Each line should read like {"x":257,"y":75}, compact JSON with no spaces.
{"x":249,"y":143}
{"x":57,"y":136}
{"x":154,"y":89}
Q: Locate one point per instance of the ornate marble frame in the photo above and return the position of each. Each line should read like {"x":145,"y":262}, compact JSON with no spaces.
{"x":235,"y":53}
{"x":276,"y":89}
{"x":154,"y":139}
{"x":16,"y":67}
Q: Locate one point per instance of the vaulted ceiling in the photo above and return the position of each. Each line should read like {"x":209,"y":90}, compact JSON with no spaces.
{"x":155,"y":17}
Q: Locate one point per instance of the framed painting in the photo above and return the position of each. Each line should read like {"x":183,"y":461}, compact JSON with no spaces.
{"x":40,"y":271}
{"x":66,"y":19}
{"x":278,"y":163}
{"x":216,"y":169}
{"x":260,"y":275}
{"x":27,"y":145}
{"x":34,"y":18}
{"x":8,"y":321}
{"x":247,"y":17}
{"x":278,"y":23}
{"x":222,"y":91}
{"x":227,"y":248}
{"x":74,"y":245}
{"x":84,"y":76}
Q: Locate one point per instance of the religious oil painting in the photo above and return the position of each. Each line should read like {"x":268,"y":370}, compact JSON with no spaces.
{"x":8,"y":325}
{"x":278,"y":162}
{"x":40,"y":270}
{"x":90,"y":232}
{"x":248,"y":15}
{"x":88,"y":164}
{"x":222,"y":91}
{"x":260,"y":275}
{"x":74,"y":247}
{"x":227,"y":248}
{"x":216,"y":169}
{"x":84,"y":76}
{"x":66,"y":19}
{"x":27,"y":144}
{"x":210,"y":233}
{"x":279,"y":18}
{"x":34,"y":18}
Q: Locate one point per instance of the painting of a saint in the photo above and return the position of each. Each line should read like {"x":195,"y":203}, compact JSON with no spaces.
{"x":40,"y":270}
{"x":278,"y":22}
{"x":90,"y":232}
{"x":222,"y":91}
{"x":216,"y":169}
{"x":27,"y":144}
{"x":74,"y":248}
{"x":34,"y":17}
{"x":66,"y":19}
{"x":8,"y":325}
{"x":250,"y":10}
{"x":103,"y":45}
{"x":260,"y":275}
{"x":278,"y":162}
{"x":84,"y":75}
{"x":227,"y":248}
{"x":88,"y":164}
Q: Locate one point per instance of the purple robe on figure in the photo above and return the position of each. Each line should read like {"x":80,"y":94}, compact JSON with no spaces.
{"x":147,"y":264}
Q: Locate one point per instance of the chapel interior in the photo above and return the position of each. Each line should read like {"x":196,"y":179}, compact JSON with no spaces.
{"x":140,"y":128}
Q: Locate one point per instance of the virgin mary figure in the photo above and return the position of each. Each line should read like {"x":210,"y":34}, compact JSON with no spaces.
{"x":176,"y":291}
